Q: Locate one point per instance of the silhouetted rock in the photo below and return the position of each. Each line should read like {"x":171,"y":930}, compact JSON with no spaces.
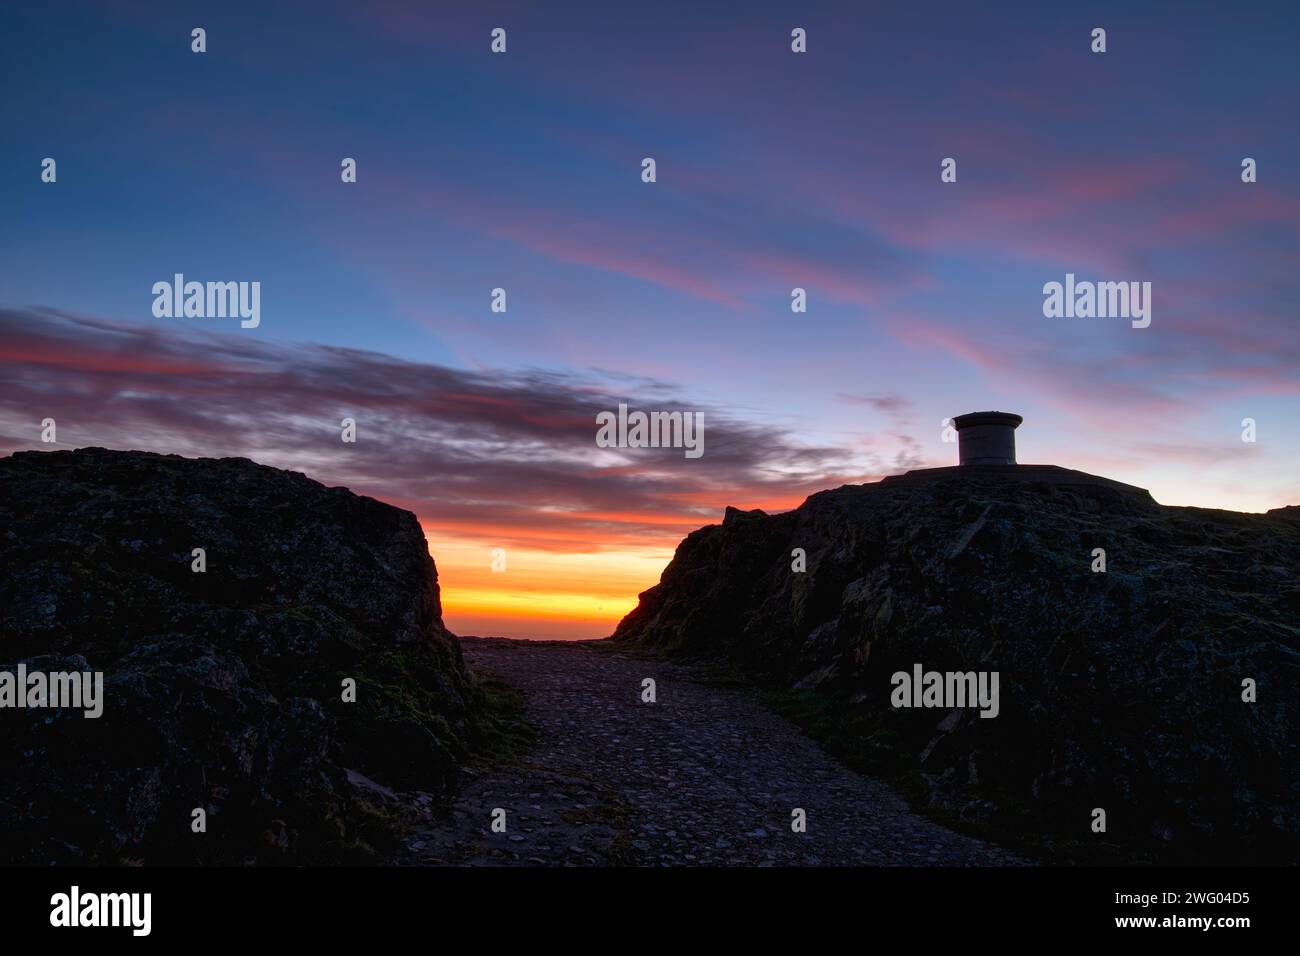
{"x":1120,"y":690}
{"x":223,"y":689}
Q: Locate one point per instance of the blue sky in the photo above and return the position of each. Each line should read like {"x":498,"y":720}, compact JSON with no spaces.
{"x":775,"y":170}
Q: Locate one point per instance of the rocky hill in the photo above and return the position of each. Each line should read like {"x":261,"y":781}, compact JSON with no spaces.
{"x":1120,"y":690}
{"x":223,"y":688}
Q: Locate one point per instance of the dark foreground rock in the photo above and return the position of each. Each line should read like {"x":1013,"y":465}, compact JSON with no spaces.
{"x":224,"y":688}
{"x":1119,"y":690}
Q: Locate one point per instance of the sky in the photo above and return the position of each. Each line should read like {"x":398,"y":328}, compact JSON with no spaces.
{"x":775,"y":170}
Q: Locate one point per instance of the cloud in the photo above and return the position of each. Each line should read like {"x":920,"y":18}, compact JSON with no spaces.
{"x":509,"y":455}
{"x":881,"y":403}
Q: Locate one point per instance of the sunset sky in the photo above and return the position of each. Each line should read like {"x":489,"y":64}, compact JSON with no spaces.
{"x":775,"y":170}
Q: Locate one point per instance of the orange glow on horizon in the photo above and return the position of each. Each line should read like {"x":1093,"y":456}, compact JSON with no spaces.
{"x":540,"y":593}
{"x":570,"y":582}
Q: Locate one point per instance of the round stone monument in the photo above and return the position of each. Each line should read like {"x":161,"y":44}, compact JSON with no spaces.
{"x":987,"y":438}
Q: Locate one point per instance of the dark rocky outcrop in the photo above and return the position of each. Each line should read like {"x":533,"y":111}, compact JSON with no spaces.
{"x":1120,"y":690}
{"x":224,"y":688}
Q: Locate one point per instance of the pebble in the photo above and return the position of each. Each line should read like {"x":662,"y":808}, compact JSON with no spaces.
{"x":706,"y":775}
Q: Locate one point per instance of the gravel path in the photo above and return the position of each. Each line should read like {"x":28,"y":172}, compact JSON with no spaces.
{"x":706,"y":775}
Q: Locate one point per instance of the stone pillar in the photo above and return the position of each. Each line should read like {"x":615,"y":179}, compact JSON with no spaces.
{"x":987,"y":438}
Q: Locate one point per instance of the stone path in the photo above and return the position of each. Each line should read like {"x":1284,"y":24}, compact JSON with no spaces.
{"x":706,"y":775}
